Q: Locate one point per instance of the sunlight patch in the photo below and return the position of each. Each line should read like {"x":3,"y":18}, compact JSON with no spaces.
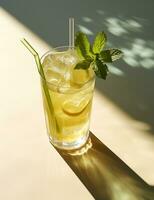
{"x":115,"y":70}
{"x":87,"y":19}
{"x":85,"y":30}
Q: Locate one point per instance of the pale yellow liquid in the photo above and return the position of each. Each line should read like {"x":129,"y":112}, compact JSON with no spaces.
{"x":68,"y":122}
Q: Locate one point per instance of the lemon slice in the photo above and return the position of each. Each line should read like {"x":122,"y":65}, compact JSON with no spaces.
{"x":80,"y":76}
{"x":76,"y":105}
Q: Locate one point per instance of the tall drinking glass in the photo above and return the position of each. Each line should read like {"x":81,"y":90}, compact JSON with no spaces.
{"x":70,"y":92}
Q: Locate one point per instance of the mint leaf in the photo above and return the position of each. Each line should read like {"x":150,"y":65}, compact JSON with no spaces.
{"x":115,"y":54}
{"x":100,"y":69}
{"x":99,"y":42}
{"x":105,"y":56}
{"x":110,"y":55}
{"x":83,"y":46}
{"x":85,"y":64}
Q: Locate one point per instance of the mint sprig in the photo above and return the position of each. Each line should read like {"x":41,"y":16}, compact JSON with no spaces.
{"x":95,"y":54}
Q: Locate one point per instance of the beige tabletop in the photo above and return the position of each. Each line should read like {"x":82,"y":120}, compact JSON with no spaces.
{"x":30,"y":167}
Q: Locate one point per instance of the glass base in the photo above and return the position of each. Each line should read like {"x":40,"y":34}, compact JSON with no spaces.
{"x":70,"y":145}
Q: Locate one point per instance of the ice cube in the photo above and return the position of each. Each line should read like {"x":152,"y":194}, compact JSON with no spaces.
{"x":70,"y":58}
{"x":59,"y":68}
{"x":64,"y":59}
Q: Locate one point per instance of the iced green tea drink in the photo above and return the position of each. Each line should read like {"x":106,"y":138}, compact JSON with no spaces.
{"x":71,"y":93}
{"x":67,"y":82}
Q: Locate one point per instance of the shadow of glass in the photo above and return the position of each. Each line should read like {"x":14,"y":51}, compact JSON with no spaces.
{"x":104,"y":174}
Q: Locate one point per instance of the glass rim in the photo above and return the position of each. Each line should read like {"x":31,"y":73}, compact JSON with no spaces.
{"x":53,"y":50}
